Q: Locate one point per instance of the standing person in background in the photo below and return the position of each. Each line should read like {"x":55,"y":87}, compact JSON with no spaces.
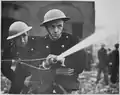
{"x":89,"y":60}
{"x":18,"y":38}
{"x":109,"y":58}
{"x":115,"y":64}
{"x":103,"y":64}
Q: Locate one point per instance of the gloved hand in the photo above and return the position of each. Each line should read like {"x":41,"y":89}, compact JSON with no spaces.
{"x":45,"y":65}
{"x":64,"y":71}
{"x":52,"y":59}
{"x":27,"y":80}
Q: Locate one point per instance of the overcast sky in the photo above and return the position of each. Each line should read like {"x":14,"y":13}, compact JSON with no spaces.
{"x":108,"y":14}
{"x":108,"y":18}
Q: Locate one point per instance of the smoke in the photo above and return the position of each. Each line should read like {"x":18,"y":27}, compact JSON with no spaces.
{"x":96,"y":37}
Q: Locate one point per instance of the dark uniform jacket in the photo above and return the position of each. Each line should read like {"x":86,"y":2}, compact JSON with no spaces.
{"x":115,"y":58}
{"x":45,"y":46}
{"x":41,"y":47}
{"x":6,"y":65}
{"x":5,"y":23}
{"x":63,"y":44}
{"x":18,"y":76}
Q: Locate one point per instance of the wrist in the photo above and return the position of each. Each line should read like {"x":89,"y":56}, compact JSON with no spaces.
{"x":13,"y":61}
{"x":46,"y":66}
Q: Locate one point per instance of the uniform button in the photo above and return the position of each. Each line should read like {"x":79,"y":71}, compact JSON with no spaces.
{"x":66,"y":36}
{"x":47,"y":46}
{"x":17,"y":53}
{"x":33,"y":38}
{"x":32,"y":49}
{"x":62,"y":46}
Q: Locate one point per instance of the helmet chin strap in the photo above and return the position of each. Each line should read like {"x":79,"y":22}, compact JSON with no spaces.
{"x":50,"y":34}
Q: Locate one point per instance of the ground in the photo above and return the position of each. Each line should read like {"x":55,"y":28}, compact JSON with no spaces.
{"x":87,"y":84}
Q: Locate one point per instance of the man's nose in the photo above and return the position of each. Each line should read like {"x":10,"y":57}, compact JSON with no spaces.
{"x":56,"y":30}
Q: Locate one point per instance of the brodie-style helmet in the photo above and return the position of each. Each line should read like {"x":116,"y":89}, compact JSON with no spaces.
{"x":18,"y":28}
{"x":54,"y":14}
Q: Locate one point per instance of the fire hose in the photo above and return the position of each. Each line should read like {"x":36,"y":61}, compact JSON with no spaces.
{"x":81,"y":45}
{"x":40,"y":59}
{"x":22,"y":61}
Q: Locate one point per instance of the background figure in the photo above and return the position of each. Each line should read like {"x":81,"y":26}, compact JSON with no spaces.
{"x":109,"y":58}
{"x":18,"y":39}
{"x":103,"y":64}
{"x":89,"y":60}
{"x":115,"y":64}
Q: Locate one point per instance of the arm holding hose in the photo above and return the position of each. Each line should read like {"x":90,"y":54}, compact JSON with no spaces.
{"x":53,"y":59}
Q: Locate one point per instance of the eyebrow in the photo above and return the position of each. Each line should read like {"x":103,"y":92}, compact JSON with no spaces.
{"x":56,"y":24}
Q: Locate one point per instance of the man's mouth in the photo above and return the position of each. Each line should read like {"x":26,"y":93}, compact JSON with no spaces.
{"x":55,"y":35}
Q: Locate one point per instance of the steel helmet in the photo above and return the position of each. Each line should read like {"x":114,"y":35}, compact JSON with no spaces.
{"x":18,"y":28}
{"x":54,"y":14}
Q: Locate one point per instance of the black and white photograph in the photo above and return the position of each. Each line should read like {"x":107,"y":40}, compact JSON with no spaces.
{"x":60,"y":47}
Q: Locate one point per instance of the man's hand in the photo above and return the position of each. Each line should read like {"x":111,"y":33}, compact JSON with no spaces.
{"x":53,"y":59}
{"x":64,"y":71}
{"x":45,"y":65}
{"x":2,"y":51}
{"x":27,"y":80}
{"x":16,"y":61}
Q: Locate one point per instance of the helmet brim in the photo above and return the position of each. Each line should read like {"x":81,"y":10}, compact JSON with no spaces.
{"x":16,"y":35}
{"x":45,"y":22}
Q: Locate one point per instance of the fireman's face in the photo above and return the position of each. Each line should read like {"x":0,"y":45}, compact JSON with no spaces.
{"x":55,"y":28}
{"x":22,"y":40}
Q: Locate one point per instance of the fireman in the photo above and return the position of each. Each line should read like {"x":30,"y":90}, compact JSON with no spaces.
{"x":18,"y":38}
{"x":58,"y":42}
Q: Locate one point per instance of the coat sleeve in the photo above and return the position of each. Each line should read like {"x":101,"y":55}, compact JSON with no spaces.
{"x":76,"y":60}
{"x":6,"y":65}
